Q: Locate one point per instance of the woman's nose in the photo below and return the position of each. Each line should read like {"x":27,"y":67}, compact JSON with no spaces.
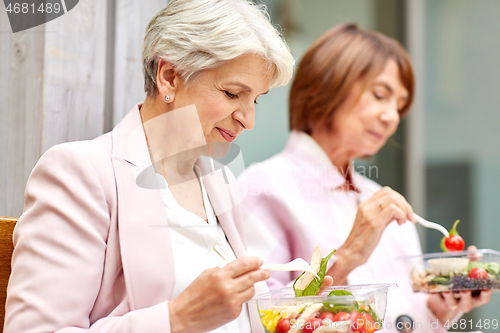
{"x":391,"y":114}
{"x":246,"y":116}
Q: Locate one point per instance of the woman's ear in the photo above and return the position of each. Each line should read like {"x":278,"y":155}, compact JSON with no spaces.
{"x":166,"y":80}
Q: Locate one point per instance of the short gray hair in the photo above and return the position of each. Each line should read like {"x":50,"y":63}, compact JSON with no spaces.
{"x":195,"y":35}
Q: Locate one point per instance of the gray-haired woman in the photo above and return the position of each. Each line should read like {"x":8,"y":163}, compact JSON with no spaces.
{"x":97,"y":248}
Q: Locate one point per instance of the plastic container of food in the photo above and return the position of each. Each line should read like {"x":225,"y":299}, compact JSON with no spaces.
{"x":454,"y":271}
{"x":366,"y":306}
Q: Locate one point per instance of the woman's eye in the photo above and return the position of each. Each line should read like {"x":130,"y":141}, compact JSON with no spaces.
{"x":228,"y":94}
{"x":378,"y":95}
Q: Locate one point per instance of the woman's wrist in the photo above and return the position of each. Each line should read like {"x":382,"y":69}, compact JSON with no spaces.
{"x":344,"y":264}
{"x":177,"y":322}
{"x":173,"y":317}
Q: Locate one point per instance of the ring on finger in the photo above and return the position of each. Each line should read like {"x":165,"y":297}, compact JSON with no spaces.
{"x":380,"y":204}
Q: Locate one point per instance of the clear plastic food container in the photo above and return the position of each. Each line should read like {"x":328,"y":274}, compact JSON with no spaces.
{"x":365,"y":307}
{"x":454,"y":271}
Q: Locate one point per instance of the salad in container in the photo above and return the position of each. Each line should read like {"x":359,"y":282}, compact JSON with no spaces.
{"x":454,"y":271}
{"x":356,"y":308}
{"x":307,"y":308}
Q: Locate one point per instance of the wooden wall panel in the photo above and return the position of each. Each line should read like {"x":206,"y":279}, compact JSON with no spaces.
{"x":21,"y":84}
{"x":74,"y":74}
{"x":51,"y":90}
{"x":70,"y":79}
{"x":132,"y":17}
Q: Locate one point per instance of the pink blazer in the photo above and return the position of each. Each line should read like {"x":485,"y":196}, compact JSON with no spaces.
{"x":92,"y":249}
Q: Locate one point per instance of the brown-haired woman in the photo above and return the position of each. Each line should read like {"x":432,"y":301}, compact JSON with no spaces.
{"x":349,"y":93}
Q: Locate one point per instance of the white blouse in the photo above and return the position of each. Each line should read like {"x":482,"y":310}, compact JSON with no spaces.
{"x":197,"y":246}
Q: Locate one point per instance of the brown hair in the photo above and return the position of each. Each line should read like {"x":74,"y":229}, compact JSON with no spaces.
{"x":333,"y":64}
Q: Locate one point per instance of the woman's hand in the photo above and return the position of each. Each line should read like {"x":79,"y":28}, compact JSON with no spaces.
{"x":216,"y":296}
{"x":446,"y":307}
{"x":372,"y":218}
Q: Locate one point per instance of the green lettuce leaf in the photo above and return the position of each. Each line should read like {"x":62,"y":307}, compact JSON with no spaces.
{"x":490,"y":267}
{"x":313,"y":287}
{"x":339,"y":293}
{"x":298,"y":292}
{"x":335,"y":308}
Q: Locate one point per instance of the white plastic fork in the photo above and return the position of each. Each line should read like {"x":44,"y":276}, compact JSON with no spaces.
{"x":298,"y":264}
{"x":432,"y":225}
{"x":424,"y":222}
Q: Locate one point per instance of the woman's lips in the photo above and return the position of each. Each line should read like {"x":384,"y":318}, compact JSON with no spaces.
{"x":376,"y":135}
{"x":227,"y":135}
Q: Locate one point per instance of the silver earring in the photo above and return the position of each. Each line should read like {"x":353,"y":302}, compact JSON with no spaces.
{"x":167,"y":98}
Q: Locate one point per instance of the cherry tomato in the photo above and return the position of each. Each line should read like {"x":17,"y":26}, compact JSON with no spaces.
{"x":342,"y":316}
{"x":327,"y":315}
{"x":369,"y":325}
{"x":454,"y":243}
{"x":283,"y":325}
{"x":478,"y":273}
{"x":312,"y":324}
{"x":356,"y":324}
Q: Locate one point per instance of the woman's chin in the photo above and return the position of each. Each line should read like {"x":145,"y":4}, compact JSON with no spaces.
{"x":369,"y":152}
{"x":219,"y":149}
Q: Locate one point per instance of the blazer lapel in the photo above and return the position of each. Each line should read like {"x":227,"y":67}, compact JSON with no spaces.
{"x":148,"y":262}
{"x":222,"y":201}
{"x":222,"y":198}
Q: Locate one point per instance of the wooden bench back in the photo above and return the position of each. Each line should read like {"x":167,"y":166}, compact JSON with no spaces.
{"x":6,"y":247}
